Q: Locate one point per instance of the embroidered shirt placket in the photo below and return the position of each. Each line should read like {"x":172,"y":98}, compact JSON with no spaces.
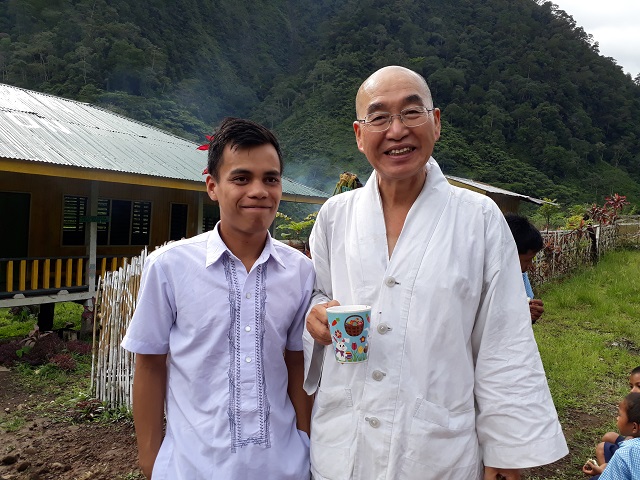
{"x":240,"y":439}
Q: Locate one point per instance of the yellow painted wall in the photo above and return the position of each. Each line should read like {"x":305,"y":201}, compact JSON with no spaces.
{"x":45,"y":231}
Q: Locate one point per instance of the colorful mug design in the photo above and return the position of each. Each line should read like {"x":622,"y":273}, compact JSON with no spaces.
{"x":349,"y":326}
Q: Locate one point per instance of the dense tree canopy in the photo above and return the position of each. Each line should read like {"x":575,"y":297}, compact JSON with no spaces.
{"x":527,"y":101}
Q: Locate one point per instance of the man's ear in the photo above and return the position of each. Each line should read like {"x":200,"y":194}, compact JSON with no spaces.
{"x":212,"y":185}
{"x":357,"y":128}
{"x":436,"y":122}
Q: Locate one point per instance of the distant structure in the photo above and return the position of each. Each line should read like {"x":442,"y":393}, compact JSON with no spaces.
{"x":82,"y":189}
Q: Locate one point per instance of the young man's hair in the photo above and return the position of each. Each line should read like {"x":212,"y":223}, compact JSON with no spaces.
{"x":635,"y":370}
{"x":527,"y":237}
{"x":632,"y":406}
{"x":238,"y":133}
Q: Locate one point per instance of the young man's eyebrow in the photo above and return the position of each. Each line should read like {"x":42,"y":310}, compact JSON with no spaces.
{"x":378,"y":106}
{"x":244,"y":171}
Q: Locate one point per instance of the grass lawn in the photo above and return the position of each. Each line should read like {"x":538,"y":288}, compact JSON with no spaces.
{"x":589,"y":341}
{"x":19,"y":326}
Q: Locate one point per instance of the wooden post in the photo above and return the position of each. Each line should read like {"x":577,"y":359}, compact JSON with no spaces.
{"x":79,"y":273}
{"x":22,"y":281}
{"x":68,"y":281}
{"x":34,"y":274}
{"x":46,"y":272}
{"x":10,"y":276}
{"x":58,"y":278}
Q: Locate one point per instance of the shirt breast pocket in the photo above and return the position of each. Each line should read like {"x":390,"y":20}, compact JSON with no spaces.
{"x":440,"y":437}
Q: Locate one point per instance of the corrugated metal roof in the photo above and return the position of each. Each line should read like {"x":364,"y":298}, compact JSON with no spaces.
{"x":44,"y":128}
{"x":491,"y":189}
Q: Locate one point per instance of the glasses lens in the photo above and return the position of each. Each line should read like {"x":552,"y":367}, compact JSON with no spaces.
{"x":377,"y":121}
{"x":413,"y":117}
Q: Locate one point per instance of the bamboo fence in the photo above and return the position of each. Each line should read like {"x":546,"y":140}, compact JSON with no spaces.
{"x":112,"y":366}
{"x":566,"y":250}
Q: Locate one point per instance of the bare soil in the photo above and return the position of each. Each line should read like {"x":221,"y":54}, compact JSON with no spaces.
{"x":45,"y":443}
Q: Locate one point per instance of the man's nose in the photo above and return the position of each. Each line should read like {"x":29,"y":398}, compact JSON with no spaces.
{"x":258,"y":189}
{"x":397,"y":128}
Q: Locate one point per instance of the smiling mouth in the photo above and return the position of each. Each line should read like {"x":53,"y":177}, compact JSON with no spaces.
{"x":399,"y":151}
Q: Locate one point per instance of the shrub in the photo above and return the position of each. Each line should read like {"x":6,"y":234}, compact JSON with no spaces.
{"x":63,"y":361}
{"x":8,"y":353}
{"x":76,"y":346}
{"x":45,"y":347}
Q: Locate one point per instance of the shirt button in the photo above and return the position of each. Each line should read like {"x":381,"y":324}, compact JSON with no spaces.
{"x":383,"y":328}
{"x":247,"y":359}
{"x":377,"y":375}
{"x":248,"y":295}
{"x":390,"y":282}
{"x":373,"y":422}
{"x":247,"y":328}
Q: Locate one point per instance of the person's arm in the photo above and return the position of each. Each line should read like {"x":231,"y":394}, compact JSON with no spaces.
{"x":149,"y":389}
{"x":316,"y":334}
{"x":593,"y":469}
{"x":491,"y":473}
{"x":619,"y":466}
{"x":516,"y":428}
{"x":611,"y":437}
{"x":302,"y":403}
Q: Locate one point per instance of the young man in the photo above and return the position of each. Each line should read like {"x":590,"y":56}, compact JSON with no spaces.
{"x":453,"y":388}
{"x":529,"y":243}
{"x":218,"y":332}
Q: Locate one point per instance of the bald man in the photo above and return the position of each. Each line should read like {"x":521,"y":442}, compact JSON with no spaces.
{"x":453,"y":388}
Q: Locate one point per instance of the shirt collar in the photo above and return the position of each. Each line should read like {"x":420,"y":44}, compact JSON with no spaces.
{"x":216,"y":247}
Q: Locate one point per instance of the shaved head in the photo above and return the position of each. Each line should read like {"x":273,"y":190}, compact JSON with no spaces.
{"x":388,"y":76}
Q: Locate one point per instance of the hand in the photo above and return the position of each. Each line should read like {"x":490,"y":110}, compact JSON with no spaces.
{"x":536,"y":308}
{"x":317,"y":323}
{"x":491,"y":473}
{"x":592,"y":469}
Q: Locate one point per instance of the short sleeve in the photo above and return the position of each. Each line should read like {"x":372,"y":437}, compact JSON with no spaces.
{"x":155,"y":312}
{"x":296,"y":330}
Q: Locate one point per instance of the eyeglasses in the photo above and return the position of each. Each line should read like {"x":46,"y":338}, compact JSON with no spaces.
{"x":410,"y":117}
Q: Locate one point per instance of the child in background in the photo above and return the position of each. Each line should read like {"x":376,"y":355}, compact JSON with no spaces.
{"x":625,"y":464}
{"x":628,"y":427}
{"x":529,"y":242}
{"x":611,"y":440}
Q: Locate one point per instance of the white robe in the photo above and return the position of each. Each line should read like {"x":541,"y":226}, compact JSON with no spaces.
{"x":454,"y":377}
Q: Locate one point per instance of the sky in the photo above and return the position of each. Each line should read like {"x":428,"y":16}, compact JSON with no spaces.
{"x":614,"y":24}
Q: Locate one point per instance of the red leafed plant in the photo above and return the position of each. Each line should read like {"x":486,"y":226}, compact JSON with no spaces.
{"x":614,"y":204}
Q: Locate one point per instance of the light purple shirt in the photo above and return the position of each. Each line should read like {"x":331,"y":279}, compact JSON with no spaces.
{"x":225,"y":331}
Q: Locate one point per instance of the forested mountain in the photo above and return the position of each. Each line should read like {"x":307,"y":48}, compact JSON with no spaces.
{"x":527,"y":101}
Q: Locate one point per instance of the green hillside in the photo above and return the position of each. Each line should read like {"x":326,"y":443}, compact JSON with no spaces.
{"x":528,"y":103}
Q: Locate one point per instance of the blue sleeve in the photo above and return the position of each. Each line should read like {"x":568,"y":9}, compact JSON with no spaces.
{"x":527,"y":285}
{"x":617,"y":468}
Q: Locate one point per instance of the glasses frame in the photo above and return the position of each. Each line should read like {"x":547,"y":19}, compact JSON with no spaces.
{"x":364,"y":121}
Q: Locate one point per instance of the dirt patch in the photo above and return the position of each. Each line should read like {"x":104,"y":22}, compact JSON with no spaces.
{"x":47,"y":444}
{"x":43,"y":444}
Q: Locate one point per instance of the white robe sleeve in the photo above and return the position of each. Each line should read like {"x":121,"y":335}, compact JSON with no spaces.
{"x":320,"y":255}
{"x":517,"y":424}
